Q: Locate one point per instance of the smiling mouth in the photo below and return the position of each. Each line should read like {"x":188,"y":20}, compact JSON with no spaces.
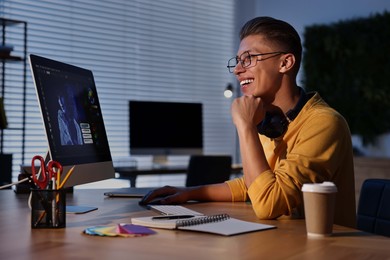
{"x":245,"y":82}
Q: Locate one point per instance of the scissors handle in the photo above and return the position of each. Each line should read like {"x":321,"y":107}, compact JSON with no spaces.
{"x":55,"y":171}
{"x":41,"y":179}
{"x":53,"y":168}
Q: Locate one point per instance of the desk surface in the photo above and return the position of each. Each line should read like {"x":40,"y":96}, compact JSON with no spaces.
{"x":288,"y":241}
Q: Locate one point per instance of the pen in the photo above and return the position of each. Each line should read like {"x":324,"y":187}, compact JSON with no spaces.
{"x":172,"y":217}
{"x":53,"y":202}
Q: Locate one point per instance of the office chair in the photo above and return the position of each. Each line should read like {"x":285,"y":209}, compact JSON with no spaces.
{"x":208,"y":169}
{"x":373,"y":214}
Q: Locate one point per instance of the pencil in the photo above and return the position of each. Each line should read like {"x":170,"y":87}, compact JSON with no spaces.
{"x":58,"y":179}
{"x":66,"y":177}
{"x":40,"y":218}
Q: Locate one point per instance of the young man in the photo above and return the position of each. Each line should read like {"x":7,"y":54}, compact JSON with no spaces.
{"x":301,"y":140}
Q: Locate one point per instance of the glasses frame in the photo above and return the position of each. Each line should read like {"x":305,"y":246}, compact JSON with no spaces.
{"x":231,"y":68}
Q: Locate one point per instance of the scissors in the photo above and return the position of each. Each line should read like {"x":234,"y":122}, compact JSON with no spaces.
{"x":46,"y":172}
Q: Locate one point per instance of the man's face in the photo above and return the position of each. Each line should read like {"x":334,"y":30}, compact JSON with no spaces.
{"x":261,"y":78}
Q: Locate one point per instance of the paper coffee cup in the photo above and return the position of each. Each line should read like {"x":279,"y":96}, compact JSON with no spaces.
{"x":319,"y":203}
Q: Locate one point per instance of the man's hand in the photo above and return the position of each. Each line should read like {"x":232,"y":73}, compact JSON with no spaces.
{"x":166,"y":195}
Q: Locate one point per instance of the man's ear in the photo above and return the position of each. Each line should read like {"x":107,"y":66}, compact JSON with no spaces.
{"x":287,"y":62}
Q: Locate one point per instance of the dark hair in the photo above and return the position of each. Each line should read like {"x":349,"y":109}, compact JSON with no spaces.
{"x":276,"y":31}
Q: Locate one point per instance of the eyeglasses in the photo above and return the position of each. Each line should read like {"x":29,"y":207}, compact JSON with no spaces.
{"x":245,"y":59}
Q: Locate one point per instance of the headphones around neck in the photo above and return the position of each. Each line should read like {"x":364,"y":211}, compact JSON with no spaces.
{"x":275,"y":125}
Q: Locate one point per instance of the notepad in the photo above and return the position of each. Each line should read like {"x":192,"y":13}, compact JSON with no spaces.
{"x":221,"y":224}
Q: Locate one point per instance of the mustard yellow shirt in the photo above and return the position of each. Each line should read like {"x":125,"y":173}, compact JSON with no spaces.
{"x":316,"y":147}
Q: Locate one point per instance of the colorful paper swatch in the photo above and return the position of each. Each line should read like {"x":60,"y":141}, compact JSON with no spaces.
{"x":119,"y":230}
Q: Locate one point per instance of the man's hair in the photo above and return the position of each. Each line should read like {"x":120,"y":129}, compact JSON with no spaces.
{"x":278,"y":32}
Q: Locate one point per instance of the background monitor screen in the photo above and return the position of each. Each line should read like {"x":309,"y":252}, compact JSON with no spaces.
{"x":73,"y":120}
{"x":165,"y":128}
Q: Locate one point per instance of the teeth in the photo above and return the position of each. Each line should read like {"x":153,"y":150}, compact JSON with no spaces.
{"x":247,"y":81}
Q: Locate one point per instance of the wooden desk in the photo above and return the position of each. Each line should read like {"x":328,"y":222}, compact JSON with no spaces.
{"x":288,"y":241}
{"x":131,"y":173}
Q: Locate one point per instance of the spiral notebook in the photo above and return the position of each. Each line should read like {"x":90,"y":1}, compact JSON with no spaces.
{"x":221,"y":224}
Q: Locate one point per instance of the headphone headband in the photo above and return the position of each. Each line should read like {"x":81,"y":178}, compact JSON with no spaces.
{"x":293,"y":113}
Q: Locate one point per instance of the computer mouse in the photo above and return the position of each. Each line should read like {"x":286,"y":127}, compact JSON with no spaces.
{"x":156,"y":201}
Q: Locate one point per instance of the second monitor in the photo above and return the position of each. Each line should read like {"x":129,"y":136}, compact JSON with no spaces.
{"x":160,"y":129}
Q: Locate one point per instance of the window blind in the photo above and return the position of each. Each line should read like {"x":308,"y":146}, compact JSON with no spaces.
{"x":144,"y":50}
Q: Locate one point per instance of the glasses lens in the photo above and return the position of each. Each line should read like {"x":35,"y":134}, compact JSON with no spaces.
{"x":232,"y":63}
{"x":245,"y":59}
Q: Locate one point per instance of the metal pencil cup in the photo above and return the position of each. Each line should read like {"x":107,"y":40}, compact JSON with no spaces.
{"x":48,"y":208}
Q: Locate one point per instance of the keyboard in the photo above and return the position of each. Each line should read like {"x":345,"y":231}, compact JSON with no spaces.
{"x":174,"y":210}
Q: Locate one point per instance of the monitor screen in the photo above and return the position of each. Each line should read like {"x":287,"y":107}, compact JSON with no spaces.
{"x":165,"y":128}
{"x":73,"y":120}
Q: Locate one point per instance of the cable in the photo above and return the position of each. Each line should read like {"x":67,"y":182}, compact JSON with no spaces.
{"x":14,"y":183}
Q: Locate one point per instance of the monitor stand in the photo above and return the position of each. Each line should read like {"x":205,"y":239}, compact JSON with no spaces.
{"x":75,"y":209}
{"x":160,"y":161}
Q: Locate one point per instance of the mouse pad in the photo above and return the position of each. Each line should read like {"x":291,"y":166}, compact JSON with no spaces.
{"x":79,"y":209}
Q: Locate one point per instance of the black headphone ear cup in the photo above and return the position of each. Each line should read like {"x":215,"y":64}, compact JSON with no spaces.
{"x":273,"y":125}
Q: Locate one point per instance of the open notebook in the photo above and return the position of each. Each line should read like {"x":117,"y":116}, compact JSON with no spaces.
{"x":221,"y":224}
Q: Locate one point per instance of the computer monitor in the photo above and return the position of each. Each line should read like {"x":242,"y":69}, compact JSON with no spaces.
{"x":73,"y":120}
{"x":165,"y":128}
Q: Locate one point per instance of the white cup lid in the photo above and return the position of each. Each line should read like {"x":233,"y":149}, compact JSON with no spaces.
{"x":325,"y":187}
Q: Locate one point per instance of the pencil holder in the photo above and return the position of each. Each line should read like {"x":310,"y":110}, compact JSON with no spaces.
{"x":48,"y":208}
